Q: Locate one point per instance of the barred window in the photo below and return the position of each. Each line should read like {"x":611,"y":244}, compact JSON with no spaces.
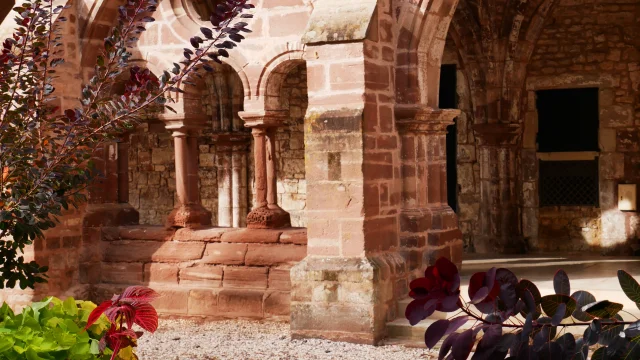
{"x":569,"y":183}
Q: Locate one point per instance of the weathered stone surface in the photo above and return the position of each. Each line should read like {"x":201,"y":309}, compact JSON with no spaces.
{"x":245,"y":277}
{"x":280,"y":278}
{"x":225,"y":253}
{"x":161,"y":273}
{"x":277,"y":303}
{"x":122,"y":273}
{"x":274,"y":254}
{"x":240,"y":303}
{"x":252,"y":236}
{"x":203,"y":302}
{"x":147,"y":251}
{"x":207,"y":235}
{"x":174,"y":302}
{"x":202,"y":276}
{"x":333,"y":20}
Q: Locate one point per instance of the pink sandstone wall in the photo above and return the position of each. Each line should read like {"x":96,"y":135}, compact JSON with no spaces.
{"x":213,"y":272}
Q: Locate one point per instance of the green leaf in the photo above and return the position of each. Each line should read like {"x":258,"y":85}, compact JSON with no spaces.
{"x":629,"y":285}
{"x":550,"y":304}
{"x":6,"y":343}
{"x":602,"y":309}
{"x":70,"y":307}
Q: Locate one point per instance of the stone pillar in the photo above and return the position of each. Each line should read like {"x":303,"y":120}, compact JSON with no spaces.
{"x":239,"y":185}
{"x":231,"y":157}
{"x":344,"y":289}
{"x":225,"y":186}
{"x":500,"y":221}
{"x":188,"y":213}
{"x":266,"y":214}
{"x":428,"y":225}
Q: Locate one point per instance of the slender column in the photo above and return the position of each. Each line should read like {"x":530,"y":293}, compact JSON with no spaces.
{"x":181,"y":158}
{"x":188,"y":212}
{"x":239,"y":181}
{"x":260,"y":168}
{"x":426,"y":213}
{"x":123,"y":170}
{"x":266,"y":213}
{"x":500,"y":230}
{"x":272,"y":181}
{"x":225,"y":187}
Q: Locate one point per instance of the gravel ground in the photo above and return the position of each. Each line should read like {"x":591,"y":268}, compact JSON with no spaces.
{"x":253,"y":340}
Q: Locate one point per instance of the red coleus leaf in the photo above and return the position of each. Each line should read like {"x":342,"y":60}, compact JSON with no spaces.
{"x":127,"y":311}
{"x":138,"y":295}
{"x":146,"y":317}
{"x":119,"y":339}
{"x":97,"y":312}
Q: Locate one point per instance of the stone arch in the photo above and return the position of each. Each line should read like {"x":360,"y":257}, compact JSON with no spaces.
{"x":420,"y":40}
{"x":274,"y":75}
{"x":185,"y":22}
{"x":283,"y":88}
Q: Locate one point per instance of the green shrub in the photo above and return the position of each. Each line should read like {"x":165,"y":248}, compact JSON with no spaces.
{"x":54,"y":330}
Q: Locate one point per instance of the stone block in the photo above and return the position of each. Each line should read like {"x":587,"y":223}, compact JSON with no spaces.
{"x":172,"y":302}
{"x":160,"y":156}
{"x":240,"y":303}
{"x":153,"y":251}
{"x":252,"y":236}
{"x":274,"y":254}
{"x":161,"y":273}
{"x":294,"y":236}
{"x":245,"y":277}
{"x":225,"y":253}
{"x":122,"y":273}
{"x":277,"y":303}
{"x":203,"y":302}
{"x":201,"y":275}
{"x":157,"y":233}
{"x":206,"y":235}
{"x":280,"y":278}
{"x":617,"y":116}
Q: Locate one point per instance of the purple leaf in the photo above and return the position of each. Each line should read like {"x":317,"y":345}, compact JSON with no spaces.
{"x":446,"y":345}
{"x":456,"y":323}
{"x":462,"y":346}
{"x":435,"y":332}
{"x":449,"y":304}
{"x":561,"y":283}
{"x":559,"y":315}
{"x":490,"y":279}
{"x":419,"y":310}
{"x":480,"y":295}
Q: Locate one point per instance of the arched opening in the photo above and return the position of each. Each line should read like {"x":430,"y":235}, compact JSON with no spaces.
{"x":292,"y":186}
{"x":201,"y":9}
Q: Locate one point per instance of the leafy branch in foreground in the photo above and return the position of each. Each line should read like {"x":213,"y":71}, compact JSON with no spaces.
{"x":509,"y":317}
{"x":45,"y":151}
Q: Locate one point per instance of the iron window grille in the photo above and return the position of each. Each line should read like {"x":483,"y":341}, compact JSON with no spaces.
{"x":569,"y":183}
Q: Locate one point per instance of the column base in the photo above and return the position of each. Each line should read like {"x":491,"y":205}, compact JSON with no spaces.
{"x":346,"y":299}
{"x":268,"y":217}
{"x":120,"y":214}
{"x":427,"y":234}
{"x":499,"y":245}
{"x":189,"y":216}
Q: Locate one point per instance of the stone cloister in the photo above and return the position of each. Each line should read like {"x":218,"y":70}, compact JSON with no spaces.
{"x":308,"y":178}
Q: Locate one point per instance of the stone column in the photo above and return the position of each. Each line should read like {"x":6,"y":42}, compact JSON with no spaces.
{"x":108,"y":203}
{"x":500,"y":228}
{"x":266,"y":214}
{"x":231,"y":156}
{"x":188,"y":211}
{"x":225,"y":186}
{"x":428,"y":225}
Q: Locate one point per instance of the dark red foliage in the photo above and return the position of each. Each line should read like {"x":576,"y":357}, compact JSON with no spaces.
{"x":498,"y":331}
{"x":439,"y":289}
{"x":129,"y":308}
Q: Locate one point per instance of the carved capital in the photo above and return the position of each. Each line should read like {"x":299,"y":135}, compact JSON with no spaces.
{"x":424,"y":119}
{"x":183,"y":125}
{"x":497,"y":134}
{"x":263,"y":118}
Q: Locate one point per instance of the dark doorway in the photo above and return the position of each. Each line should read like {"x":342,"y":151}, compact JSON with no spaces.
{"x":449,"y":100}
